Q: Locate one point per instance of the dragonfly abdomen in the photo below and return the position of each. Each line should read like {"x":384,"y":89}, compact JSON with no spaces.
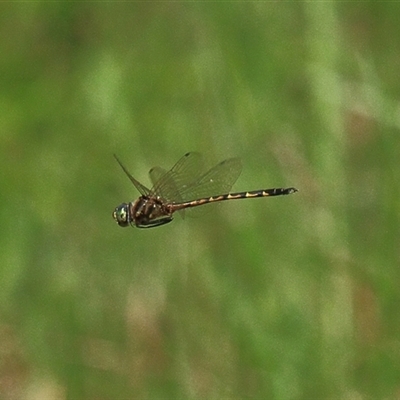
{"x":234,"y":196}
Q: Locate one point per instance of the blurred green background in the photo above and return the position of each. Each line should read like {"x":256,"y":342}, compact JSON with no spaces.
{"x":286,"y":298}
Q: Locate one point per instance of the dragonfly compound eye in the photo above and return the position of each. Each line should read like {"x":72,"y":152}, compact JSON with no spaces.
{"x":121,"y":215}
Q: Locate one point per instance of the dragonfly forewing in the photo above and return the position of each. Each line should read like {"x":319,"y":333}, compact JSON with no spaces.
{"x":164,"y":185}
{"x":218,"y":179}
{"x":141,"y":188}
{"x":187,"y":170}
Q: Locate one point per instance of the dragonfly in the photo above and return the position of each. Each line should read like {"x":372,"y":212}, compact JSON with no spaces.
{"x":184,"y":186}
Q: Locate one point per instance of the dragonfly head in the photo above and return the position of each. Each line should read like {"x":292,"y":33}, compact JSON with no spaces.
{"x":121,"y":215}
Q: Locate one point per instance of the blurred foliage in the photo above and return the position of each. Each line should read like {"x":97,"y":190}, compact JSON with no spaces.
{"x":286,"y":298}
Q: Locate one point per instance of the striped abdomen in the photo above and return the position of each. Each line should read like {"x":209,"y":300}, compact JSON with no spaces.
{"x":233,"y":196}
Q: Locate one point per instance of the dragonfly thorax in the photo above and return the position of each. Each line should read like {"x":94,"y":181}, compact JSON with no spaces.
{"x":149,"y":211}
{"x":145,"y":212}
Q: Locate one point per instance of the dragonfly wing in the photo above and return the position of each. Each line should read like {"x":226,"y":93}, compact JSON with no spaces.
{"x":156,"y":173}
{"x":164,"y":185}
{"x":171,"y":184}
{"x":218,"y":180}
{"x":141,"y":188}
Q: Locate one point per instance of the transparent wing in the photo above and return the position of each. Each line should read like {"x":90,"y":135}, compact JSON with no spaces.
{"x":170,"y":185}
{"x":218,"y":180}
{"x":156,"y":173}
{"x":141,"y":188}
{"x":164,"y":184}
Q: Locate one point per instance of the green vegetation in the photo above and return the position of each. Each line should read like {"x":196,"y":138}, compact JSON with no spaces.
{"x":285,"y":298}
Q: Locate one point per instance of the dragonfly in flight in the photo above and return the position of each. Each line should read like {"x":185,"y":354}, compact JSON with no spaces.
{"x":184,"y":186}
